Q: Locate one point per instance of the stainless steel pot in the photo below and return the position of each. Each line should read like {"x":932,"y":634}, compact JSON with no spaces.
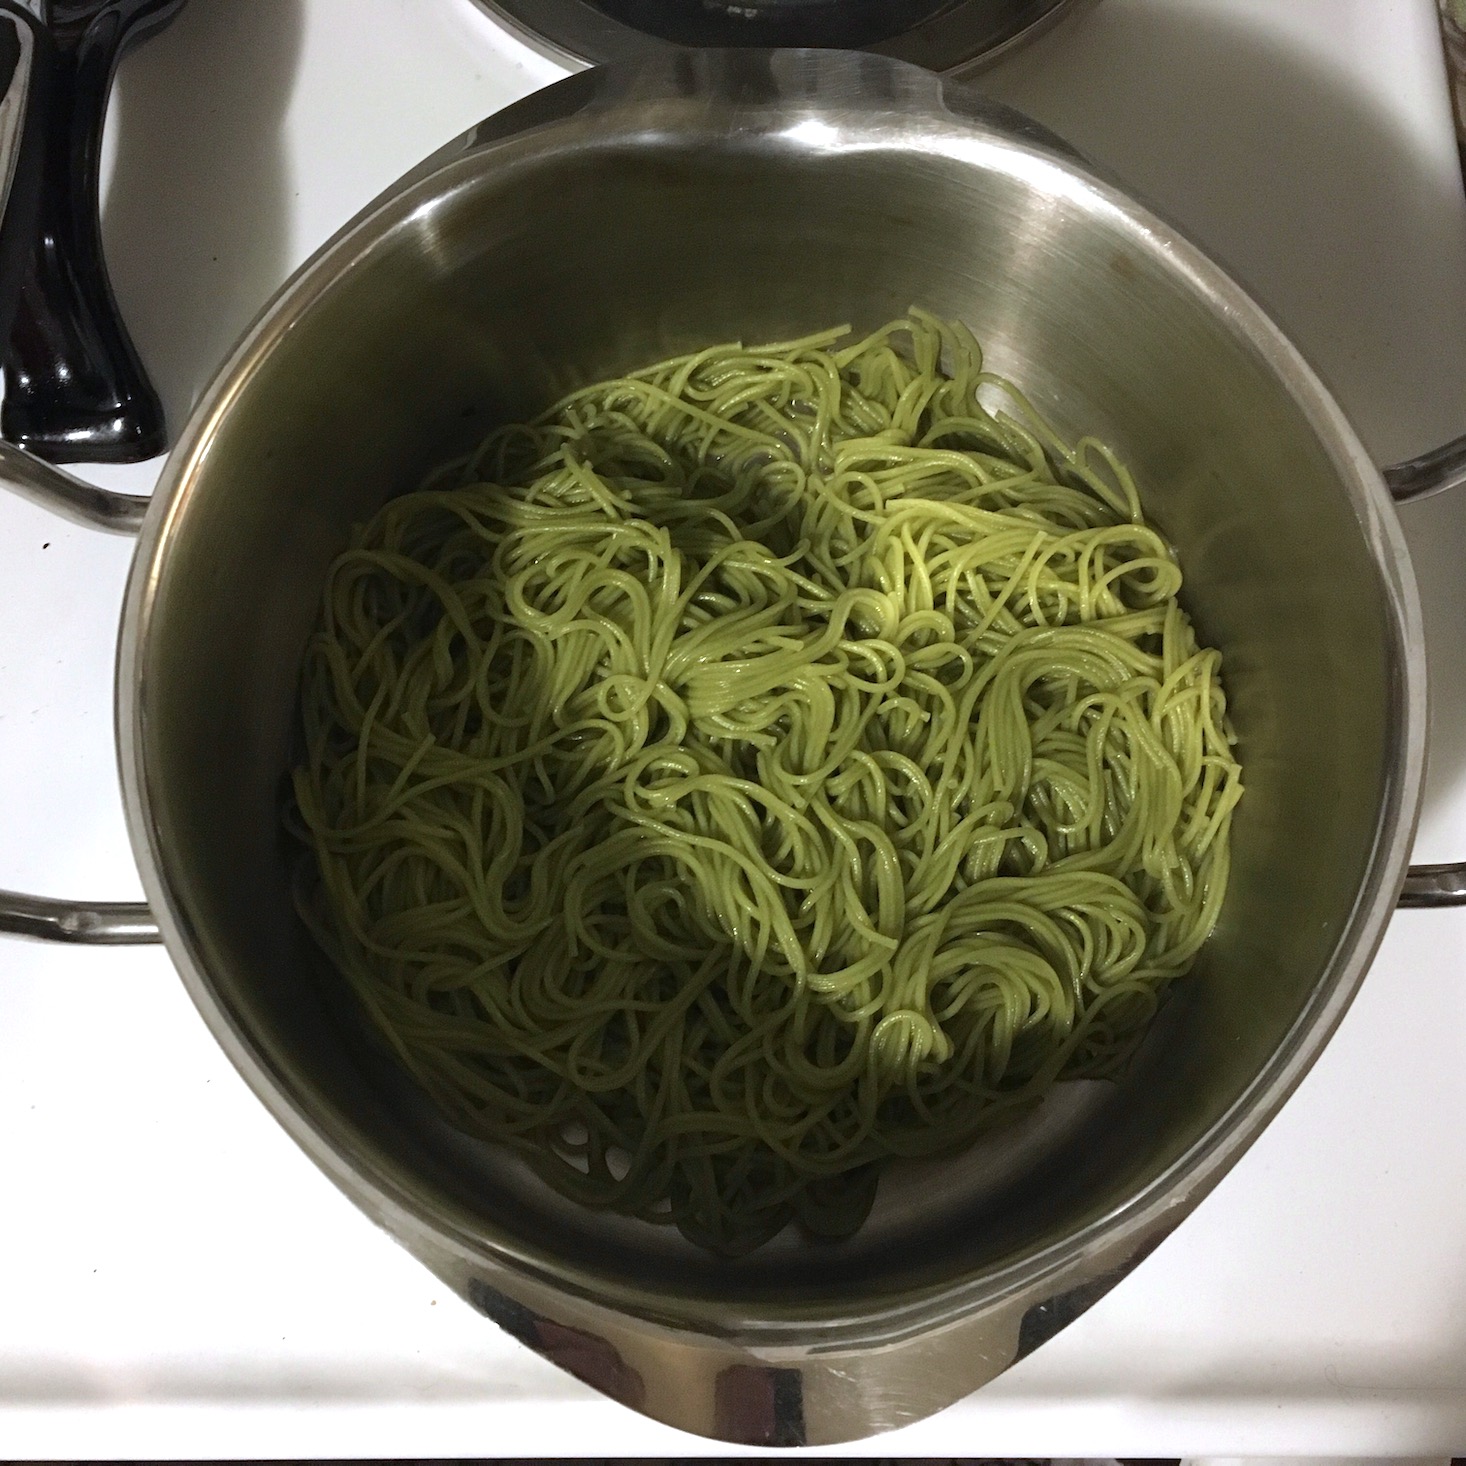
{"x":617,"y":218}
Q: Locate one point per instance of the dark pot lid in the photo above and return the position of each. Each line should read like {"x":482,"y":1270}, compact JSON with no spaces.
{"x":940,"y":34}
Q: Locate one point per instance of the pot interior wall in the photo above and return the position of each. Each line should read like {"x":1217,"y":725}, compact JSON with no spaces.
{"x":528,"y":275}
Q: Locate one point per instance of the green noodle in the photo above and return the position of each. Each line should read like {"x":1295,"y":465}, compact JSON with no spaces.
{"x":758,"y":767}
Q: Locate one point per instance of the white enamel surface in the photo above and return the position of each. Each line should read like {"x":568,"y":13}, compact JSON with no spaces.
{"x":176,"y":1279}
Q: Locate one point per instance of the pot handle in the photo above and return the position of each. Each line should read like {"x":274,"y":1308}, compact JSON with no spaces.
{"x":27,"y":73}
{"x":95,"y":924}
{"x":109,"y":923}
{"x":1418,"y":478}
{"x":68,"y":496}
{"x":1432,"y":473}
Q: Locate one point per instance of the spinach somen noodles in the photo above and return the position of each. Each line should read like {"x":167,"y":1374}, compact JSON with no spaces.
{"x":758,"y":767}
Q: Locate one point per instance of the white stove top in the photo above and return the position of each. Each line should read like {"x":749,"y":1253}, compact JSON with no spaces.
{"x":176,"y":1279}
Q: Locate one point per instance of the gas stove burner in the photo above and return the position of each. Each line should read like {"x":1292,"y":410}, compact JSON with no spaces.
{"x":940,"y":34}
